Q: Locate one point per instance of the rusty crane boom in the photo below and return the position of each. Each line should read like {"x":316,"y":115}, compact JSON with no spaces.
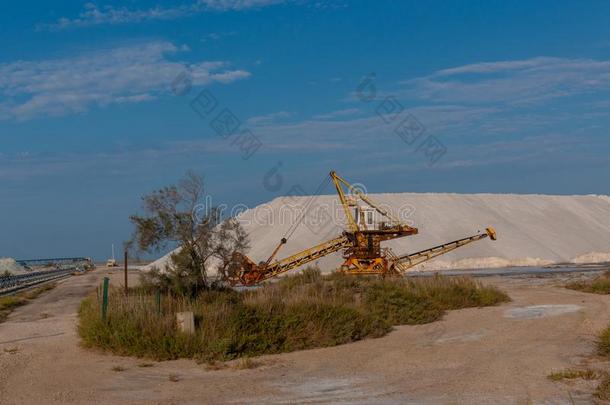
{"x":360,"y":243}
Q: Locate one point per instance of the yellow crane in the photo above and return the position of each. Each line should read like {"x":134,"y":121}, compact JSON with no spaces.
{"x":360,"y":243}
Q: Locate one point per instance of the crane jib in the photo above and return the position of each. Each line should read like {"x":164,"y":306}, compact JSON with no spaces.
{"x":361,"y":243}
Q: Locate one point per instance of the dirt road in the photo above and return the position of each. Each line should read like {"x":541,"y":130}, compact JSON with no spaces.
{"x":499,"y":355}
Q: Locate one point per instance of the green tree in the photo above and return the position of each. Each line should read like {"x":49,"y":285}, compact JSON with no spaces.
{"x":177,"y":215}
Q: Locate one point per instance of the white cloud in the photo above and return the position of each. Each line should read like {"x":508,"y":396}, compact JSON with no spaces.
{"x":512,"y":82}
{"x":226,"y":5}
{"x":475,"y":103}
{"x":215,"y":36}
{"x":349,"y":129}
{"x":269,"y":118}
{"x":128,"y":74}
{"x":338,"y":113}
{"x":92,"y":14}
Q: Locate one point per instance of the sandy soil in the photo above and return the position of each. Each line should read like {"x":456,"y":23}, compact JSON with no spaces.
{"x":498,"y":355}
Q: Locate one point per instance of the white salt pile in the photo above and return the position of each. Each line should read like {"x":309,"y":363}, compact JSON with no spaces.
{"x":533,"y":230}
{"x":8,"y":264}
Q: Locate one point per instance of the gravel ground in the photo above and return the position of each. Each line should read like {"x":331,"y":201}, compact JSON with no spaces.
{"x":499,"y":355}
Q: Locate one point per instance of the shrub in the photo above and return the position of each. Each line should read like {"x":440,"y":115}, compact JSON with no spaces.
{"x":299,"y":312}
{"x":600,"y":285}
{"x":11,"y":302}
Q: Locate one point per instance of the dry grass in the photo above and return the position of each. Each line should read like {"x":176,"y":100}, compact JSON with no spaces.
{"x":34,"y":293}
{"x":600,"y":285}
{"x":246,"y":363}
{"x":603,"y":344}
{"x":603,"y":389}
{"x":295,"y":313}
{"x":572,"y":374}
{"x":214,"y":365}
{"x":10,"y":302}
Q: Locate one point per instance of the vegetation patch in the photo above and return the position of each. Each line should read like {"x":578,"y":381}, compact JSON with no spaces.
{"x":600,"y":285}
{"x":572,"y":374}
{"x":604,"y":342}
{"x":246,"y":363}
{"x":603,"y":389}
{"x":299,"y":312}
{"x":10,"y":302}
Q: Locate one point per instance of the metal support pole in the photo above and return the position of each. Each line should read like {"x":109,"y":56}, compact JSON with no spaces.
{"x":125,"y":261}
{"x":105,"y":298}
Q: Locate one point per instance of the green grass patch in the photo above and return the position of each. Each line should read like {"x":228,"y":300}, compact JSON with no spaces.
{"x":299,"y":312}
{"x":10,"y":302}
{"x":599,"y":285}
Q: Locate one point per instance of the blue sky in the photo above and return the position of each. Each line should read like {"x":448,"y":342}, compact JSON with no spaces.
{"x":464,"y":96}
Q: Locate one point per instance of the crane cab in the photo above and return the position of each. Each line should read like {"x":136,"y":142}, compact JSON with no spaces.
{"x":365,"y":217}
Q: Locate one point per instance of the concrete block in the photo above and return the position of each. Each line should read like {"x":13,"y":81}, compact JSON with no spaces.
{"x":186,"y":322}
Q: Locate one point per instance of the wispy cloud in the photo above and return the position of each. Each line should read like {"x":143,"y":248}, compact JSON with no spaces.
{"x":269,"y":118}
{"x":215,"y":36}
{"x":130,"y":74}
{"x":361,"y":129}
{"x":485,"y":113}
{"x":93,"y":14}
{"x":512,"y":82}
{"x":338,"y":113}
{"x":537,"y":148}
{"x":226,"y":5}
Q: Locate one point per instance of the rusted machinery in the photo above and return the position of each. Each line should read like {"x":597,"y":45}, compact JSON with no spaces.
{"x":361,"y":243}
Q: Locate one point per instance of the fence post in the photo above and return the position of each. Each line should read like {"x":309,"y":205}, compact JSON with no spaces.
{"x":158,"y":301}
{"x":105,"y":298}
{"x":125,"y":263}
